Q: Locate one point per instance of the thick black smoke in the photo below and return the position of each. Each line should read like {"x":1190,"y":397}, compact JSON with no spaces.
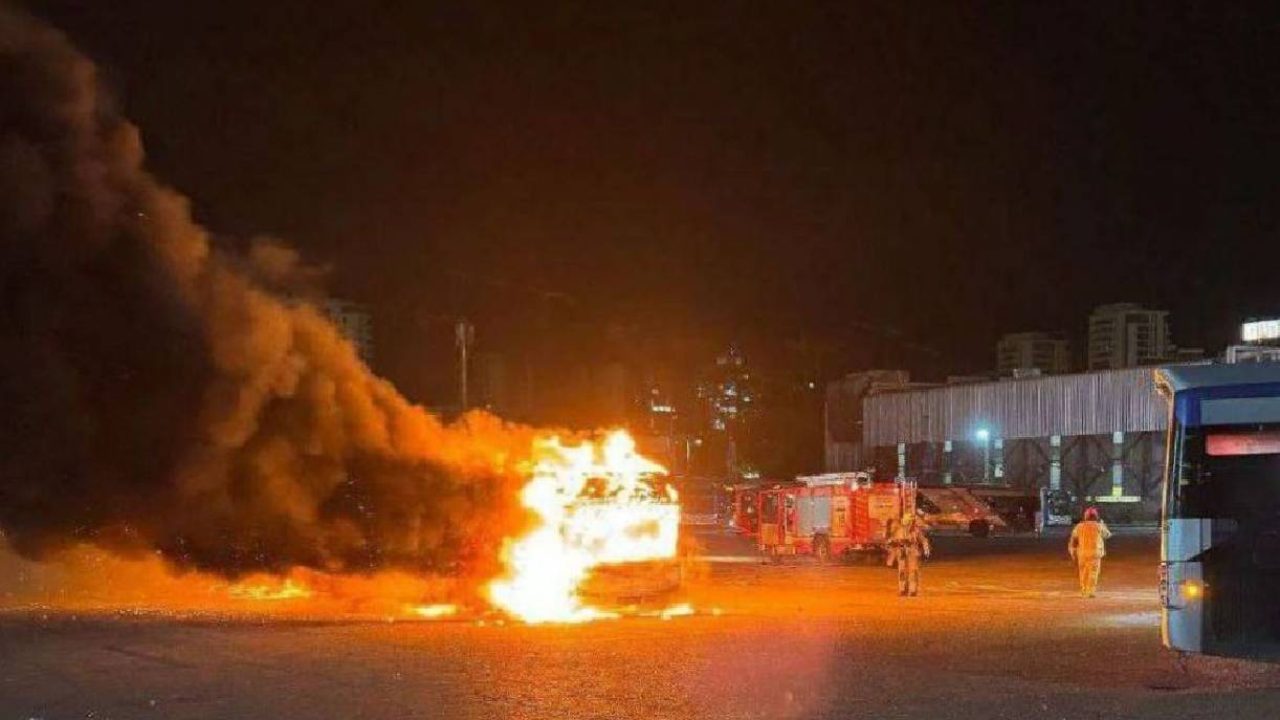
{"x":156,"y":393}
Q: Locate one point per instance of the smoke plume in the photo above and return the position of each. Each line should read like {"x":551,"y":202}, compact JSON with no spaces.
{"x":159,"y":394}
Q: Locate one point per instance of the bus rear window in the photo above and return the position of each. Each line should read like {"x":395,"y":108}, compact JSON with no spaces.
{"x":1239,"y":443}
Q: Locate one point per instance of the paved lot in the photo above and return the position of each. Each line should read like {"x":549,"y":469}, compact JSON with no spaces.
{"x":999,"y":633}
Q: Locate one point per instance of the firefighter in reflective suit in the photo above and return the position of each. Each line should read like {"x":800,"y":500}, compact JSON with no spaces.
{"x":907,"y":544}
{"x":1087,"y":547}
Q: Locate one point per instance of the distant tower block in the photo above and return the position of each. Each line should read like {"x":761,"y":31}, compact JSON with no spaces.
{"x":355,"y":322}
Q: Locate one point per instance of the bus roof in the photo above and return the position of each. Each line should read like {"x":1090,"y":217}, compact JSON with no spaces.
{"x":1178,"y":378}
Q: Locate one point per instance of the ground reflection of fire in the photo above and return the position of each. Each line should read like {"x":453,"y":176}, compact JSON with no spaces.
{"x":596,"y":504}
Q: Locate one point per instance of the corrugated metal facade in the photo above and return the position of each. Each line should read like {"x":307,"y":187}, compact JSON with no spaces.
{"x":1086,"y":404}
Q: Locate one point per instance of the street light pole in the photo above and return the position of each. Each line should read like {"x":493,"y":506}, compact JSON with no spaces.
{"x":465,"y":335}
{"x":984,"y":437}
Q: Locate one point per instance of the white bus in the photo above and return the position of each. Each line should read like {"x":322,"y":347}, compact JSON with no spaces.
{"x":1220,"y":538}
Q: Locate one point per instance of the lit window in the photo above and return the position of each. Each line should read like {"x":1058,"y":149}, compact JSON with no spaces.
{"x":1234,"y":444}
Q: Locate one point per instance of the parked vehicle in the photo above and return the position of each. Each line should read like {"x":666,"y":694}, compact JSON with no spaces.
{"x":1220,"y":539}
{"x":1016,"y":506}
{"x":831,"y":515}
{"x":959,"y":508}
{"x":744,"y":507}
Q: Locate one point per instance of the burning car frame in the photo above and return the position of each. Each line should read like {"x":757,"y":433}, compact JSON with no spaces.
{"x":597,"y":507}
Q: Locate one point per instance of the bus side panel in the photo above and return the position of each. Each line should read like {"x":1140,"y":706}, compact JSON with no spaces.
{"x":1182,"y":619}
{"x":1186,"y":538}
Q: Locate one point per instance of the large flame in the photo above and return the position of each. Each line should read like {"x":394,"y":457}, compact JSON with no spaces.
{"x":596,"y":504}
{"x":289,"y":589}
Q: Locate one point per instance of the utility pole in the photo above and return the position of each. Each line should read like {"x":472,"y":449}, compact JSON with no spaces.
{"x":464,"y":337}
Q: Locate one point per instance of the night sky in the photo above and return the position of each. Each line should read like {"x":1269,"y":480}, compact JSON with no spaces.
{"x":878,"y":178}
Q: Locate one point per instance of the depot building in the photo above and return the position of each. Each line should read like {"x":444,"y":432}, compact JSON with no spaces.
{"x":1097,"y":435}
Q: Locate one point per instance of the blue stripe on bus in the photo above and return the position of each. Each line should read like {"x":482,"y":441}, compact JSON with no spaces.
{"x":1186,"y":405}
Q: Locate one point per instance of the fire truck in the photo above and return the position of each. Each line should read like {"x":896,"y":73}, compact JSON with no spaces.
{"x":831,"y":515}
{"x":744,"y":501}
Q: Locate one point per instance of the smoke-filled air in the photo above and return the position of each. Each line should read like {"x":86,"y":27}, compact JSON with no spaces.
{"x":162,"y":393}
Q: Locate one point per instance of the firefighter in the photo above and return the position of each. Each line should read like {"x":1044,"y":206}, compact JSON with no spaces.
{"x":907,"y":543}
{"x":1087,"y":546}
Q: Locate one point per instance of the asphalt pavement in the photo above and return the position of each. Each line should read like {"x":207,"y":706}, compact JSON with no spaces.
{"x":999,"y":632}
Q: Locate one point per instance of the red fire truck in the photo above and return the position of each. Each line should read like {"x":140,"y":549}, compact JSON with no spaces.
{"x":831,"y":515}
{"x":744,"y":501}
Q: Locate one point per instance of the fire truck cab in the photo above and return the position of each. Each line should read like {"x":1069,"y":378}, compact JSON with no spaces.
{"x":744,"y":499}
{"x":831,"y":515}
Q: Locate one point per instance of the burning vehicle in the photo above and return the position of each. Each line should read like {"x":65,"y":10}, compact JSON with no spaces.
{"x":606,"y":525}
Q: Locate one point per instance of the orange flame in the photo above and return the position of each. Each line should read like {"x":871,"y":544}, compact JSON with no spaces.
{"x":596,"y":505}
{"x":287,"y":590}
{"x":436,"y":611}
